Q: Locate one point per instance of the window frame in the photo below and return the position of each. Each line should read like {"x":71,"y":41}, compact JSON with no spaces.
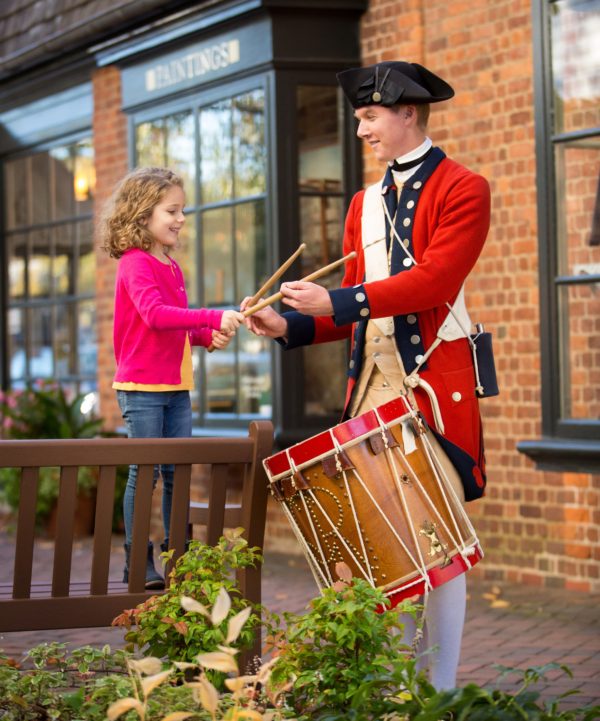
{"x":54,"y":301}
{"x":566,"y":443}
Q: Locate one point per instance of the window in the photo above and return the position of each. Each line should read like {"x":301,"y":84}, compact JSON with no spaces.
{"x":51,"y":266}
{"x":220,"y":151}
{"x":568,"y":133}
{"x":321,"y":210}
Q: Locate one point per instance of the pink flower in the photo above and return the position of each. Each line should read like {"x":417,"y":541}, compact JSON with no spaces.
{"x":11,"y":402}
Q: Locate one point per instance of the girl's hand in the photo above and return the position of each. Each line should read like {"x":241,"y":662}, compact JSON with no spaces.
{"x":221,"y":340}
{"x":265,"y":322}
{"x":231,"y":321}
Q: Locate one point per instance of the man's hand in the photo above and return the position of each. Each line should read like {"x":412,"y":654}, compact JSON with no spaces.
{"x":307,"y":298}
{"x":265,"y":322}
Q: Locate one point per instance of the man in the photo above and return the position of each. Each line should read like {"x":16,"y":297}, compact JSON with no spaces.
{"x":417,"y":234}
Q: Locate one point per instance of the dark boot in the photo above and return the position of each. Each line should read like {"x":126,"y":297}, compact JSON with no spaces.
{"x":154,"y":581}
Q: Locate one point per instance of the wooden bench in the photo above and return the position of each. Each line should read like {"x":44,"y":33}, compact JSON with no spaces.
{"x":61,"y":603}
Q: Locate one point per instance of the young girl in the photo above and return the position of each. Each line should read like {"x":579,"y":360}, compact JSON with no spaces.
{"x":153,"y":327}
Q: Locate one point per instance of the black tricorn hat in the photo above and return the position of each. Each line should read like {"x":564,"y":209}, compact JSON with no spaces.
{"x":393,"y":82}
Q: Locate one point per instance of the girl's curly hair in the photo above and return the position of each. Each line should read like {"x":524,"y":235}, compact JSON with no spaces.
{"x":122,"y":225}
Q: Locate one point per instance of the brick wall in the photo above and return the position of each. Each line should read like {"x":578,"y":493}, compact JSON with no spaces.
{"x":110,"y":145}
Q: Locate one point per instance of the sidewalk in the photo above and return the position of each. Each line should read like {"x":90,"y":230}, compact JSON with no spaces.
{"x":510,"y":625}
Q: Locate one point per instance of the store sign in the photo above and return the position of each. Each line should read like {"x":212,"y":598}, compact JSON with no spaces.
{"x":195,"y":65}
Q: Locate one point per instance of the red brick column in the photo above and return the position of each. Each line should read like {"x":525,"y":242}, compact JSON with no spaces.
{"x":110,"y":144}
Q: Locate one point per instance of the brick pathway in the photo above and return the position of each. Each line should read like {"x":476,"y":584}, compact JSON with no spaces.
{"x":516,"y":626}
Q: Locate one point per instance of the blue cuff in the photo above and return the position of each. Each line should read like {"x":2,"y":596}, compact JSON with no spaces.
{"x":301,"y":330}
{"x":350,"y":305}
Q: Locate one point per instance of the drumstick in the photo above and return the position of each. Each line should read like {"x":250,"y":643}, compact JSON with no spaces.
{"x":276,"y":275}
{"x":313,"y":276}
{"x":271,"y":281}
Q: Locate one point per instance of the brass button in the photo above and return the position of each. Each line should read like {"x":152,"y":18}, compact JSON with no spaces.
{"x":364,"y":312}
{"x":410,"y":204}
{"x":406,"y":222}
{"x":456,"y":396}
{"x":407,"y":262}
{"x":412,"y":319}
{"x":417,"y":184}
{"x":414,"y":339}
{"x":360,"y":297}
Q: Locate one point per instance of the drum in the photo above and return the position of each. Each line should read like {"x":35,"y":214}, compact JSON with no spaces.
{"x":371,"y":493}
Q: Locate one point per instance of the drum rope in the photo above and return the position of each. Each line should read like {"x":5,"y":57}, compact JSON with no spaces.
{"x":313,"y":564}
{"x":464,"y":549}
{"x":308,"y":516}
{"x":352,"y":506}
{"x":391,"y":464}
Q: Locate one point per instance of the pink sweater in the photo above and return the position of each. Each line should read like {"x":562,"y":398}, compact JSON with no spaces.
{"x":152,"y":319}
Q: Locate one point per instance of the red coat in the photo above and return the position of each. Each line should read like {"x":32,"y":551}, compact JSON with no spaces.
{"x":450,"y":227}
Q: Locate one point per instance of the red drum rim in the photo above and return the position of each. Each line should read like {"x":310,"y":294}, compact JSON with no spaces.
{"x":322,"y":444}
{"x":437,"y":576}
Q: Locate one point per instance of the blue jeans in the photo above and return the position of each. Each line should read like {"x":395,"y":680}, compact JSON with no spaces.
{"x":148,"y":414}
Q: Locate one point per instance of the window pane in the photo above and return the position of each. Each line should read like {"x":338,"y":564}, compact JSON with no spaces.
{"x":63,"y":341}
{"x":64,"y":166}
{"x":319,"y":137}
{"x":150,"y":144}
{"x":16,"y":344}
{"x":41,"y":363}
{"x":580,"y":345}
{"x":84,"y":180}
{"x":64,"y":244}
{"x":86,"y":270}
{"x":16,"y":176}
{"x":215,"y":153}
{"x":249,"y":144}
{"x":185,"y":255}
{"x":40,"y":267}
{"x":221,"y":372}
{"x":578,"y":194}
{"x":255,"y":374}
{"x":250,"y":248}
{"x":218,"y":257}
{"x":181,"y":157}
{"x":40,"y":188}
{"x":575,"y":62}
{"x":86,"y":339}
{"x":17,"y":255}
{"x":324,"y":366}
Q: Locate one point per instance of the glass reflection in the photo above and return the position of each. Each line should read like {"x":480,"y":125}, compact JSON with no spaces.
{"x":215,"y":153}
{"x":84,"y":177}
{"x":40,"y":266}
{"x":41,"y":362}
{"x":63,"y":162}
{"x":221,"y":372}
{"x":250,"y":248}
{"x":16,"y":343}
{"x":64,"y":244}
{"x":575,"y":31}
{"x":150,"y":144}
{"x":180,"y":155}
{"x":63,"y":340}
{"x":255,"y":374}
{"x":86,"y":270}
{"x":86,"y":339}
{"x":40,"y":188}
{"x":249,"y":147}
{"x":217,"y":235}
{"x":16,"y":174}
{"x":17,"y":258}
{"x":580,"y":324}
